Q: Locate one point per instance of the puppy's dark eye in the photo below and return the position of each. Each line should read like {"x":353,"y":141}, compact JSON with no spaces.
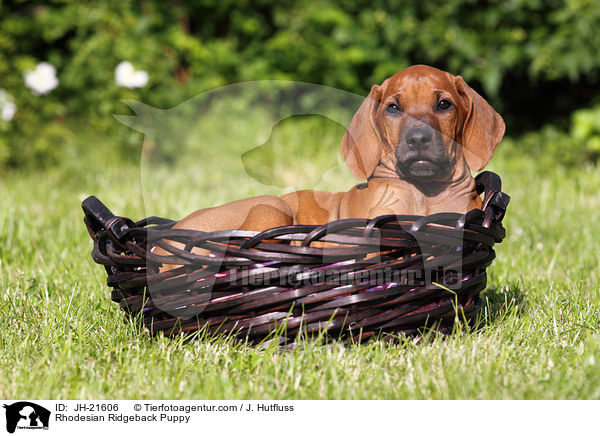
{"x":393,"y":108}
{"x":443,"y":105}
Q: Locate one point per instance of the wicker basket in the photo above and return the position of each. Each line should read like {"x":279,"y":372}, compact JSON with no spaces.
{"x":394,"y":274}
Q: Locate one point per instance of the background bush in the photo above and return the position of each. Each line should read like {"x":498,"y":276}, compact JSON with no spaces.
{"x":536,"y":61}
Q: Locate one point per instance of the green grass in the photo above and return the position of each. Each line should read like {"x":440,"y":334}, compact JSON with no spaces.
{"x":62,"y":337}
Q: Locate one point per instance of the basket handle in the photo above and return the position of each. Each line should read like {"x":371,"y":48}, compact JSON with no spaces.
{"x":494,"y":199}
{"x":99,"y":217}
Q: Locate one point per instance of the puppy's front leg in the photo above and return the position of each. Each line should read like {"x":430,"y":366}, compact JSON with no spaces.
{"x":258,"y":213}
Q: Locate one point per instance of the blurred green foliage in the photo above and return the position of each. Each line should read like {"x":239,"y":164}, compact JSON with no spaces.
{"x":535,"y":60}
{"x":586,"y":129}
{"x":317,"y":143}
{"x":577,"y":146}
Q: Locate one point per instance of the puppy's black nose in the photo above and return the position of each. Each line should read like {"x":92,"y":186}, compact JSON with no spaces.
{"x":419,"y":137}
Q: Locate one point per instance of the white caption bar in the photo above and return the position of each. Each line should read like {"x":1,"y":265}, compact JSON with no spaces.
{"x":23,"y":417}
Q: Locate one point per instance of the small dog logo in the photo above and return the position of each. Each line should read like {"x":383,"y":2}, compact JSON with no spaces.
{"x":26,"y":415}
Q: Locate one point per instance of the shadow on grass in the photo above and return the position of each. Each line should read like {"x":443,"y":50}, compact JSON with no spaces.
{"x":500,"y":302}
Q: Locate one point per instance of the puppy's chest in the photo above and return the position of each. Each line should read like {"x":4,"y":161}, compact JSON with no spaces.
{"x":380,"y":198}
{"x":402,"y":201}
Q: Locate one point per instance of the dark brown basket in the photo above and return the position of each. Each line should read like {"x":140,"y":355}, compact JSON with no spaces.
{"x":394,"y":274}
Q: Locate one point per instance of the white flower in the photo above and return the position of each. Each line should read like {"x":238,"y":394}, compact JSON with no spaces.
{"x":42,"y":80}
{"x":126,"y":76}
{"x":8,"y":111}
{"x":7,"y":105}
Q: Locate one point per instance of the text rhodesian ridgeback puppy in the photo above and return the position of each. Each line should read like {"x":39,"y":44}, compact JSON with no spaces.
{"x":413,"y":139}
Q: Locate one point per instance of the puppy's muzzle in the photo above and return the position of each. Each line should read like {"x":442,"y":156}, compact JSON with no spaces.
{"x":419,"y":138}
{"x":420,"y":152}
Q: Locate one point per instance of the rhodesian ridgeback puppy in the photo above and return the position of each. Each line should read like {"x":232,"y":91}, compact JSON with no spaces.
{"x":414,"y":140}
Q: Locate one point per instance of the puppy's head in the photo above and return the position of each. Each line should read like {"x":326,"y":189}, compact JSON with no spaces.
{"x":421,"y":123}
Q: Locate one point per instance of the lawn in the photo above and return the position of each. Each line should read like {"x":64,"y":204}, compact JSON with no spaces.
{"x":62,"y":337}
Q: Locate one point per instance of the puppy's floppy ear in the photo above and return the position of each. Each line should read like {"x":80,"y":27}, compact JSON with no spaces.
{"x":483,"y":127}
{"x":361,"y":145}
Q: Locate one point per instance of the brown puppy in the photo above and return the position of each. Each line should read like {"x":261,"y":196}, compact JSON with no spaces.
{"x":413,"y":139}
